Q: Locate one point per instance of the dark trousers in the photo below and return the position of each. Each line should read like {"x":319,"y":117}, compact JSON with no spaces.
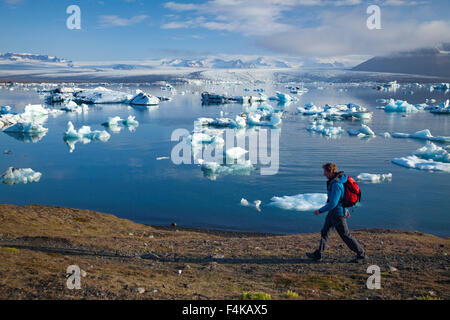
{"x":333,"y":220}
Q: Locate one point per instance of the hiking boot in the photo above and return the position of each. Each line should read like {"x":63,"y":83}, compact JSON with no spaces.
{"x":358,"y":259}
{"x":313,"y":256}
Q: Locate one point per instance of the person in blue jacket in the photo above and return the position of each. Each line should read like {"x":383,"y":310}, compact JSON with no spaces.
{"x":337,"y":214}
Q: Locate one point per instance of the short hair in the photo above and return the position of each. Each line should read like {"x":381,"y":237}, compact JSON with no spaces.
{"x":330,"y":167}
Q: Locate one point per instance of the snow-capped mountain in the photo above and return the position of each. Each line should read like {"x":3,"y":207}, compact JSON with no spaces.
{"x":425,"y":61}
{"x":30,"y":58}
{"x":230,"y":63}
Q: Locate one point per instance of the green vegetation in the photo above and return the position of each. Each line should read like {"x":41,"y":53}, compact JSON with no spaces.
{"x":291,"y":294}
{"x":255,"y":296}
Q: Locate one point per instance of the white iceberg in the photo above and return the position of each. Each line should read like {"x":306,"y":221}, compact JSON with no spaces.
{"x":27,"y":128}
{"x":71,"y":106}
{"x":364,"y":130}
{"x":84,"y":134}
{"x":433,"y":152}
{"x":14,"y":176}
{"x":300,"y":202}
{"x":214,"y":169}
{"x":415,"y":162}
{"x":399,"y":106}
{"x":326,"y":131}
{"x":374,"y":178}
{"x":5,"y":110}
{"x":423,"y":135}
{"x":236,"y":153}
{"x":101,"y":95}
{"x":256,"y":204}
{"x":144,"y":99}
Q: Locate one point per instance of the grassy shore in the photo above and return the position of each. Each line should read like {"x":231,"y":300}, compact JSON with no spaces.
{"x":121,"y":259}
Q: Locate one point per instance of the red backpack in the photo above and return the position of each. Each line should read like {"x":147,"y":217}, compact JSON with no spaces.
{"x":352,"y":193}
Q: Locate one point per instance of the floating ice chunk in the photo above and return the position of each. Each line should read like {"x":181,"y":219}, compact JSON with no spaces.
{"x":326,"y":131}
{"x":14,"y":176}
{"x":399,"y":106}
{"x":364,"y":130}
{"x":382,"y":101}
{"x":442,"y":108}
{"x":433,"y":152}
{"x":441,"y":87}
{"x":113,"y":122}
{"x":101,"y":95}
{"x":144,"y":99}
{"x":5,"y":110}
{"x":130,"y":122}
{"x":84,"y":134}
{"x":300,"y":202}
{"x":27,"y":128}
{"x":374,"y":178}
{"x":423,"y":135}
{"x":415,"y":162}
{"x":255,"y":204}
{"x":236,"y":153}
{"x":310,"y":109}
{"x":214,"y":169}
{"x":254,"y":119}
{"x":71,"y":106}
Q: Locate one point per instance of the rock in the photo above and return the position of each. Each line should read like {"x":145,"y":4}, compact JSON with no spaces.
{"x":130,"y":234}
{"x":155,"y":291}
{"x":151,"y":236}
{"x":392,"y":269}
{"x":218,"y":256}
{"x":180,"y":271}
{"x":174,"y":224}
{"x":83,"y":273}
{"x":432,"y":293}
{"x":140,"y":290}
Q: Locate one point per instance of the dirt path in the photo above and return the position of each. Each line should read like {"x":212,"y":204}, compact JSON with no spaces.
{"x":124,"y":260}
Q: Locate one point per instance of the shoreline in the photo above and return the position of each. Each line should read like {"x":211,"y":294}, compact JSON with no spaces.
{"x":122,"y":259}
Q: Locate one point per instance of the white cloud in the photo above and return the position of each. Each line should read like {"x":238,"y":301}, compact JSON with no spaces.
{"x":348,"y":34}
{"x":116,"y":21}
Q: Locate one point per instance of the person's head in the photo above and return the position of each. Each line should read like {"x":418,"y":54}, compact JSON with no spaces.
{"x":329,"y":170}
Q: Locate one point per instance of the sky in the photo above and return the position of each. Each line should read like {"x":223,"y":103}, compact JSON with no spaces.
{"x":114,"y":30}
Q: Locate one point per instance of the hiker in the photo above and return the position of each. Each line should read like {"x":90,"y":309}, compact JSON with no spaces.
{"x":337,"y":214}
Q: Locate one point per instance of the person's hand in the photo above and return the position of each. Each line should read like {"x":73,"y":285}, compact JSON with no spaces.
{"x":317,"y":212}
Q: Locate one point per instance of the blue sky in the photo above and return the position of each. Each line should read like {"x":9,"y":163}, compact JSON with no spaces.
{"x":136,"y":29}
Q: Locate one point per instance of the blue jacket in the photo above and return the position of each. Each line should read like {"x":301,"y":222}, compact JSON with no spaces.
{"x":335,"y":192}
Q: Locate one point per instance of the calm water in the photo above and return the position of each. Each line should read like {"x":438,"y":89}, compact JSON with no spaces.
{"x":123,"y":176}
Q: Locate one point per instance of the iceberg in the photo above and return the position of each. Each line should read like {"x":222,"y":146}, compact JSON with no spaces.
{"x":442,"y":108}
{"x":374,"y":178}
{"x":326,"y":131}
{"x":255,"y":119}
{"x":14,"y":176}
{"x":415,"y":162}
{"x":423,"y":135}
{"x":399,"y":106}
{"x":433,"y":152}
{"x":364,"y":130}
{"x":256,"y":204}
{"x":213,"y":169}
{"x":5,"y":110}
{"x":71,"y":106}
{"x":84,"y":134}
{"x":310,"y":109}
{"x":101,"y":95}
{"x":27,"y":128}
{"x":441,"y":87}
{"x":236,"y":153}
{"x":300,"y":202}
{"x":144,"y":99}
